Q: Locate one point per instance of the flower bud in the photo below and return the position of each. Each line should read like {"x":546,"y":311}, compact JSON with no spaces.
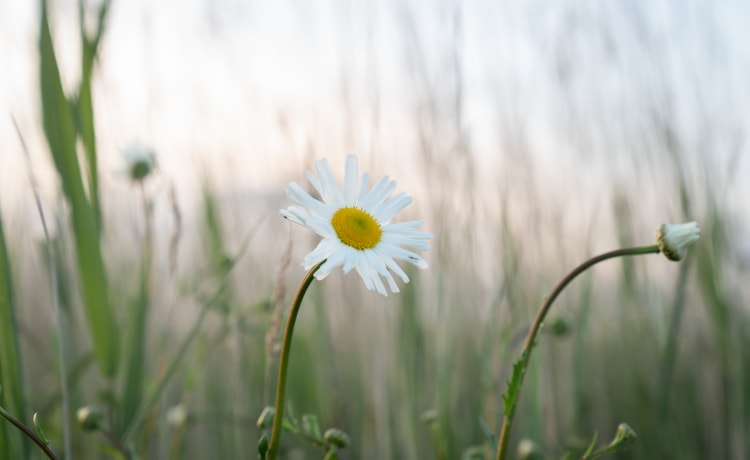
{"x":561,"y":326}
{"x":429,"y":417}
{"x":90,"y":418}
{"x":336,"y":437}
{"x":263,"y":446}
{"x":624,"y":436}
{"x":674,"y":239}
{"x":140,"y":162}
{"x":176,"y":415}
{"x":266,"y":417}
{"x":528,"y":450}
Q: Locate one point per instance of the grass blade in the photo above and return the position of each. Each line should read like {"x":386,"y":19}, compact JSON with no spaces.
{"x":59,"y":128}
{"x":11,"y":377}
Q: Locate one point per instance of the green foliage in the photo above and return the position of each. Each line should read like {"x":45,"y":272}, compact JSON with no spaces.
{"x":513,"y":391}
{"x":61,"y":133}
{"x":11,"y":375}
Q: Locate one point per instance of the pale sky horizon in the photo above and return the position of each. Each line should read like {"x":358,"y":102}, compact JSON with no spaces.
{"x":258,"y":90}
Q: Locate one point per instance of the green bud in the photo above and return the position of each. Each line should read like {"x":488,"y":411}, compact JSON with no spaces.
{"x":140,"y":162}
{"x":90,"y":418}
{"x":266,"y":417}
{"x":336,"y":437}
{"x":263,"y":446}
{"x":624,"y":436}
{"x":429,"y":417}
{"x":561,"y":326}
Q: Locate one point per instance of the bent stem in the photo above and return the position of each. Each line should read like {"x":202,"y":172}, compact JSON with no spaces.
{"x":519,"y":369}
{"x":29,"y":433}
{"x":278,"y":418}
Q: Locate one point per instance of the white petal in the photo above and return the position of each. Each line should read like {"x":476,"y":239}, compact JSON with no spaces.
{"x":315,"y":182}
{"x":290,"y":217}
{"x":329,"y":188}
{"x":295,"y":193}
{"x":388,"y":209}
{"x":379,"y":192}
{"x":396,"y":269}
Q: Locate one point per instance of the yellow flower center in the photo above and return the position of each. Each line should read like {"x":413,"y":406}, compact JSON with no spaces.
{"x":356,"y":228}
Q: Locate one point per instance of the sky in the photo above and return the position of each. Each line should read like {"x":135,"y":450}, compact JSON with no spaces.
{"x":255,"y":91}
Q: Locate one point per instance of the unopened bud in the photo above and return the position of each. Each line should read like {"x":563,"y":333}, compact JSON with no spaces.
{"x":263,"y":446}
{"x":90,"y":418}
{"x":528,"y":450}
{"x":674,"y":239}
{"x":429,"y":417}
{"x":140,"y":162}
{"x":624,"y":436}
{"x":336,"y":437}
{"x":266,"y":417}
{"x":561,"y":326}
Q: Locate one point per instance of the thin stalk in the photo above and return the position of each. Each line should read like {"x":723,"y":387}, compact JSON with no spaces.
{"x":29,"y":433}
{"x":158,"y":388}
{"x":286,"y":347}
{"x":61,"y":331}
{"x":502,"y":444}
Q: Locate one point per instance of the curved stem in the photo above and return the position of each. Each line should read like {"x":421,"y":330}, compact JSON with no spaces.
{"x":29,"y":433}
{"x":502,"y":444}
{"x":278,"y":417}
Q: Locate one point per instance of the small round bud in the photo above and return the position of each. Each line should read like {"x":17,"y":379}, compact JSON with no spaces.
{"x":265,"y":419}
{"x":176,"y":415}
{"x":528,"y":450}
{"x":90,"y":418}
{"x":429,"y":417}
{"x":625,"y":435}
{"x":140,"y":162}
{"x":263,"y":446}
{"x":561,"y":326}
{"x":336,"y":437}
{"x":674,"y":239}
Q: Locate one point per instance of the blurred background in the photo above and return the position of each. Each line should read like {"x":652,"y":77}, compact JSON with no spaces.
{"x":532,"y":135}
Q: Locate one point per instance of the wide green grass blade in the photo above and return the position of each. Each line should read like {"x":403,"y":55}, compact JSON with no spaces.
{"x":59,"y":127}
{"x":11,"y":377}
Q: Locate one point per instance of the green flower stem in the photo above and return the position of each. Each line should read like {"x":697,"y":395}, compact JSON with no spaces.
{"x":502,"y":444}
{"x":29,"y":433}
{"x":278,"y":418}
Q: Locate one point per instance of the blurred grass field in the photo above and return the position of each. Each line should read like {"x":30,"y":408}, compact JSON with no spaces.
{"x":170,"y":296}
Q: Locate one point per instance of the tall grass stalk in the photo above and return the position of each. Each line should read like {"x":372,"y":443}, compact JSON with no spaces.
{"x":61,"y":133}
{"x":135,"y":373}
{"x":11,"y":372}
{"x":158,"y":388}
{"x":62,"y":334}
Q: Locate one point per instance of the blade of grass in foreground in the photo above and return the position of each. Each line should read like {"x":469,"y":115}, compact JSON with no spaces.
{"x":11,"y":377}
{"x":59,"y":128}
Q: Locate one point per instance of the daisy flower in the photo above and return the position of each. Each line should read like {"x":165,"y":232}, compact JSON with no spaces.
{"x":356,"y":226}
